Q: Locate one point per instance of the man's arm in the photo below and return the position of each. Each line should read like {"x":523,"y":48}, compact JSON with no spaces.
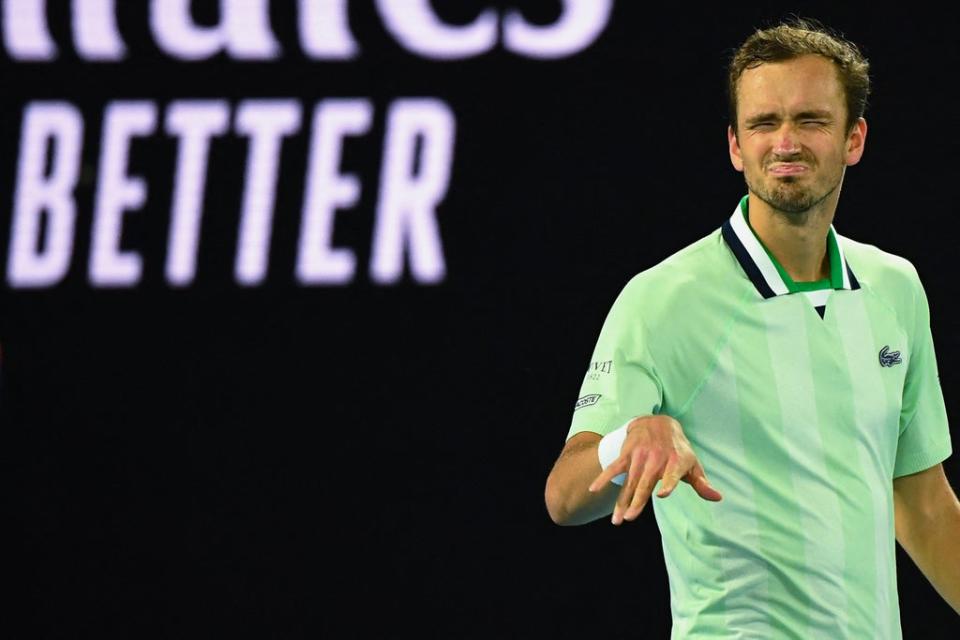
{"x":568,"y":500}
{"x":927,"y":517}
{"x":579,"y":491}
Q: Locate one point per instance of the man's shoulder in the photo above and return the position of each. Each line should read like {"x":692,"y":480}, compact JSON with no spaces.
{"x":687,"y":266}
{"x":877,"y":269}
{"x":699,"y":270}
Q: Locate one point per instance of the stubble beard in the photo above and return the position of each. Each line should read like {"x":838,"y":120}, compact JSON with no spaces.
{"x":788,"y":197}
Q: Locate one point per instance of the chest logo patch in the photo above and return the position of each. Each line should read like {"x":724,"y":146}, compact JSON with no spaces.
{"x":889,"y":358}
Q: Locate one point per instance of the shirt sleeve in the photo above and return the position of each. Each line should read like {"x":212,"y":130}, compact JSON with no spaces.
{"x":621,"y":380}
{"x":924,"y":433}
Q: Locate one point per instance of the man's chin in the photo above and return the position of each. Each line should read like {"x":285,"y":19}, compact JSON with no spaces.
{"x":787,"y":195}
{"x":794,"y":208}
{"x":790,"y":204}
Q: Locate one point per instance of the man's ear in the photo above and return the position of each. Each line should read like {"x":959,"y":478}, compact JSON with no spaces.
{"x":856,"y":140}
{"x":733,"y":143}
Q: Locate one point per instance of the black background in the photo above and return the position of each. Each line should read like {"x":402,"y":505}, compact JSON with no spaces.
{"x":369,"y":460}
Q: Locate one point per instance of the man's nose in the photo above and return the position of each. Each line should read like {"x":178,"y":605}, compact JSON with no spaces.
{"x":787,"y":142}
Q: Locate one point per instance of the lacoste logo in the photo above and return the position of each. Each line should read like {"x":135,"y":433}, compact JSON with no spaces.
{"x":586,"y":401}
{"x":889,"y":358}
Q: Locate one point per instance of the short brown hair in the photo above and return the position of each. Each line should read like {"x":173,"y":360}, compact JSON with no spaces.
{"x":792,"y":39}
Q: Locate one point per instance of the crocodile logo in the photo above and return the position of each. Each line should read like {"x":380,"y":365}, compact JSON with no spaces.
{"x":889,"y":358}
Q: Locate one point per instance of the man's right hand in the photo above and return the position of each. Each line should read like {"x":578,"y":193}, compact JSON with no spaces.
{"x":654,"y":449}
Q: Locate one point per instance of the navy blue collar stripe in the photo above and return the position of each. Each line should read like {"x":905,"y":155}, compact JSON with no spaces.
{"x":749,"y":266}
{"x":854,"y":283}
{"x":760,"y":267}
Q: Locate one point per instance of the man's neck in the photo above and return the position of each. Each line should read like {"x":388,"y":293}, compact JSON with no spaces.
{"x":798,"y":243}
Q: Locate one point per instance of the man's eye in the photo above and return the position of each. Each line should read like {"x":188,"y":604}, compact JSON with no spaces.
{"x":816,"y":123}
{"x":762,"y":125}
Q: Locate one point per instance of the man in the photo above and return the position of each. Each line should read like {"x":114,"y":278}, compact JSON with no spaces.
{"x":793,"y":365}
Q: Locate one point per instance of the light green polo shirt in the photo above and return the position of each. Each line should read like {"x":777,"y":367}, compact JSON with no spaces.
{"x":801,"y":420}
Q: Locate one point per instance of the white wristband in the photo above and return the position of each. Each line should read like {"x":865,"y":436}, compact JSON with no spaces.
{"x":609,"y":450}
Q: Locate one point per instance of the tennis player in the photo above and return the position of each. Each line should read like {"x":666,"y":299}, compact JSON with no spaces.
{"x":793,"y":365}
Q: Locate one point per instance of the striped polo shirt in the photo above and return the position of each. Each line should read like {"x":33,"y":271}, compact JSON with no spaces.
{"x":803,"y":401}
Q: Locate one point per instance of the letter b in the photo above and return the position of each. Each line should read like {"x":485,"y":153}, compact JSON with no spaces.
{"x":40,"y":193}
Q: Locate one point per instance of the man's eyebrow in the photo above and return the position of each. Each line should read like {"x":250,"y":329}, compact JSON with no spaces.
{"x":802,"y":115}
{"x":762,"y":117}
{"x":822,"y":115}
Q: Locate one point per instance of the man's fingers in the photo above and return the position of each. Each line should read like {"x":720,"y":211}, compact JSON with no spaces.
{"x":695,"y":477}
{"x":615,"y":468}
{"x":698,"y":480}
{"x":671,"y":477}
{"x":706,"y":491}
{"x":651,"y":473}
{"x":637,"y":461}
{"x":601,"y":480}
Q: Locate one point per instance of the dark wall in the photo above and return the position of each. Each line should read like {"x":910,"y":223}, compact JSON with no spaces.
{"x":368,"y":458}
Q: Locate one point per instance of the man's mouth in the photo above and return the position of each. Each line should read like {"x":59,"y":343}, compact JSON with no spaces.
{"x":786,"y":168}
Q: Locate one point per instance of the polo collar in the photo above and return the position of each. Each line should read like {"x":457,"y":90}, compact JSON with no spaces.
{"x":767,"y":276}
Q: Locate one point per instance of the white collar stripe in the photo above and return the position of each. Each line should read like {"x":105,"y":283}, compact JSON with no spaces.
{"x":759,"y":266}
{"x":759,"y":255}
{"x":843,"y":259}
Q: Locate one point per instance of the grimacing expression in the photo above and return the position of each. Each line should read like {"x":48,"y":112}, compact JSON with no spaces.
{"x":791,"y":144}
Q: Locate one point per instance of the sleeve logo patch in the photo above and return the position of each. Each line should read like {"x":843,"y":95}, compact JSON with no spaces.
{"x":596,"y":368}
{"x":889,"y":358}
{"x":586,"y":401}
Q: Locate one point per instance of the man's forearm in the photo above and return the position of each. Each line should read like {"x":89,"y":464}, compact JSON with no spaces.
{"x":931,"y":542}
{"x":938,"y":555}
{"x":568,"y":498}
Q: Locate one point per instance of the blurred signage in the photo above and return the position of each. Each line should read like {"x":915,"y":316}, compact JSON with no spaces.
{"x":413,"y":176}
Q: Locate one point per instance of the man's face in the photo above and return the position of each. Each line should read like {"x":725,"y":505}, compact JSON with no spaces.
{"x":792,"y":147}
